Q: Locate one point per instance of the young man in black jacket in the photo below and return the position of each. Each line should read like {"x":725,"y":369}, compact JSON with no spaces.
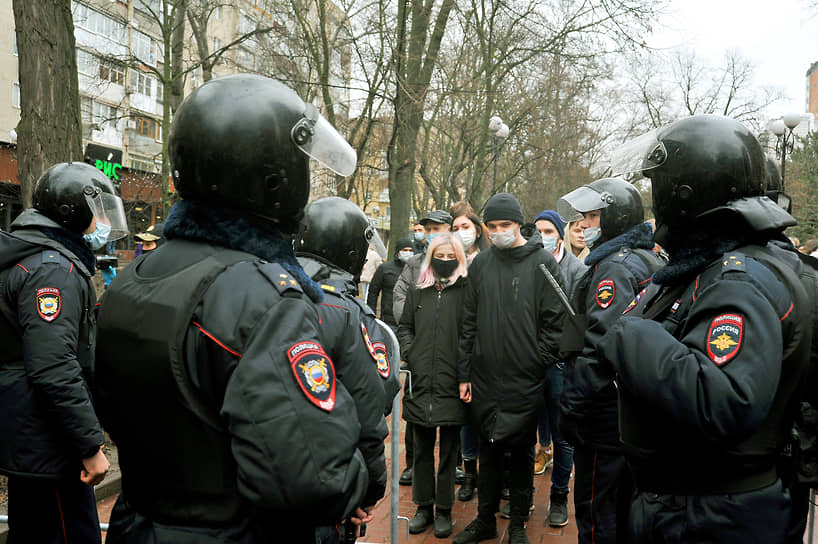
{"x":511,"y":328}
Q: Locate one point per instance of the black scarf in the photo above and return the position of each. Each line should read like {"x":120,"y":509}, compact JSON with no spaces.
{"x":73,"y":242}
{"x":232,"y":229}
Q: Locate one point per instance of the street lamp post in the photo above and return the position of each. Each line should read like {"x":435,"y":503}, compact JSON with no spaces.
{"x":785,"y":138}
{"x":499,"y":130}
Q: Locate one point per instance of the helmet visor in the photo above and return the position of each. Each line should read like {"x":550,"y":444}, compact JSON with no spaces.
{"x":319,"y":140}
{"x":638,"y":155}
{"x":108,"y":209}
{"x":375,"y":242}
{"x":580,"y":201}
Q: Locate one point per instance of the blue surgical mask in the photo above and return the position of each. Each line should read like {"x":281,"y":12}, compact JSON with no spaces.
{"x":98,"y":238}
{"x":592,"y":234}
{"x":431,"y":236}
{"x":549,"y":243}
{"x":419,"y":236}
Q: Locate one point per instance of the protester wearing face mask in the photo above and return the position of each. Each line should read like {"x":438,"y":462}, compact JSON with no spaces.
{"x":418,"y":238}
{"x":620,"y":264}
{"x":511,"y":329}
{"x":383,"y":282}
{"x":466,"y":226}
{"x":552,"y":230}
{"x":434,"y":224}
{"x":429,"y":330}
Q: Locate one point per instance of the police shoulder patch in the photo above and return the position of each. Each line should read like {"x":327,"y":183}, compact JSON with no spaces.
{"x":605,"y":292}
{"x":49,"y":303}
{"x":382,"y":359}
{"x":314,"y":372}
{"x":635,"y":301}
{"x":724,"y":337}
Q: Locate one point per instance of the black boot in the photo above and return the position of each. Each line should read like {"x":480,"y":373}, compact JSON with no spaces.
{"x":423,"y":518}
{"x":516,"y":533}
{"x":443,"y":523}
{"x":558,"y":510}
{"x":466,"y":491}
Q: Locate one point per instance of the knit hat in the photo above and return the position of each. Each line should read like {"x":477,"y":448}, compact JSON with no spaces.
{"x":554,"y":217}
{"x":401,"y":243}
{"x":503,"y":207}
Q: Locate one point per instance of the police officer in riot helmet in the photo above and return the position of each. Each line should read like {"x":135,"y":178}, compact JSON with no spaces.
{"x":50,"y":438}
{"x":231,"y":423}
{"x":710,"y":356}
{"x":332,"y":247}
{"x":610,"y":210}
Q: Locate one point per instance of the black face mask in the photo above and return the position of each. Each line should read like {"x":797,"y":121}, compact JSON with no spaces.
{"x":444,"y":269}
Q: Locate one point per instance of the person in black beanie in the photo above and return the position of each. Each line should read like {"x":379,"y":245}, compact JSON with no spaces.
{"x":511,"y":328}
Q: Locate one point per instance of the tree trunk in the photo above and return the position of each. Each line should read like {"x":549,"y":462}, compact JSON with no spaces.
{"x":50,"y":130}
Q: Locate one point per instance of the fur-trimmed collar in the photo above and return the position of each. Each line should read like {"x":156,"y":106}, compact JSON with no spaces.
{"x":191,"y":220}
{"x":699,"y":249}
{"x":640,"y":236}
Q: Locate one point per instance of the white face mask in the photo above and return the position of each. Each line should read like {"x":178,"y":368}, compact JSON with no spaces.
{"x":592,"y":234}
{"x":503,"y":240}
{"x":549,"y":243}
{"x":467,"y":237}
{"x":405,"y":255}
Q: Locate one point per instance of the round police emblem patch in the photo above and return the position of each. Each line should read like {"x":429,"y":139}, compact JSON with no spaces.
{"x":724,"y":337}
{"x":382,"y":359}
{"x":605,"y":293}
{"x":48,"y":303}
{"x":314,"y":372}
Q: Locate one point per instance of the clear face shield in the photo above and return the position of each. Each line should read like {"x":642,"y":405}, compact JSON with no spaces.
{"x":631,"y":159}
{"x":107,"y":209}
{"x":375,"y":242}
{"x":320,"y":141}
{"x":572,"y":206}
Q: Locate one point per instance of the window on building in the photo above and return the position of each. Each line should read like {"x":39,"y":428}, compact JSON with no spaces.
{"x":86,"y":109}
{"x":14,"y":47}
{"x":105,"y":115}
{"x":94,"y":21}
{"x":217,"y":12}
{"x":15,"y":94}
{"x":246,"y":25}
{"x":143,"y":164}
{"x":145,"y":126}
{"x":145,"y":49}
{"x":112,"y":71}
{"x":245,"y":58}
{"x":143,"y":83}
{"x":217,"y":44}
{"x":149,"y":6}
{"x":86,"y":63}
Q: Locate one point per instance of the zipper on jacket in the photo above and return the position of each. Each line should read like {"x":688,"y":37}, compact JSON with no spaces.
{"x":439,"y":288}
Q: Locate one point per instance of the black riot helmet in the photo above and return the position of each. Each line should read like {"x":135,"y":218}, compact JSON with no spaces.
{"x":72,"y":193}
{"x":244,"y":142}
{"x":338,"y":231}
{"x":696,"y":165}
{"x":619,"y":202}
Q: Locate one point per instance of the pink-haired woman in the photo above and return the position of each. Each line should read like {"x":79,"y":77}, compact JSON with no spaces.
{"x":428,"y":332}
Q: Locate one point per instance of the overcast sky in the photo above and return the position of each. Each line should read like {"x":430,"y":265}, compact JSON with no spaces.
{"x":779,"y":36}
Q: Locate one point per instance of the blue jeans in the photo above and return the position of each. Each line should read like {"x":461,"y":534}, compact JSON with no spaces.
{"x":469,"y":443}
{"x":563,"y":451}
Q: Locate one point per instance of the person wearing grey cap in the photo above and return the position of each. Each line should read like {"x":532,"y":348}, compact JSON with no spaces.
{"x":511,"y":328}
{"x":435,"y":223}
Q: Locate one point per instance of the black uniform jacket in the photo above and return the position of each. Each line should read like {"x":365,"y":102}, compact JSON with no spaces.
{"x":614,"y":277}
{"x":709,"y":368}
{"x":284,"y":455}
{"x":383,"y":283}
{"x":429,"y":332}
{"x":47,"y":422}
{"x":511,"y":328}
{"x":349,"y":343}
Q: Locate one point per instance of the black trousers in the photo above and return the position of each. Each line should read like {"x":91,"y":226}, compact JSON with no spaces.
{"x":521,"y":477}
{"x":52,"y":512}
{"x":756,"y":516}
{"x":603,"y":488}
{"x":424,"y":490}
{"x":409,"y":444}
